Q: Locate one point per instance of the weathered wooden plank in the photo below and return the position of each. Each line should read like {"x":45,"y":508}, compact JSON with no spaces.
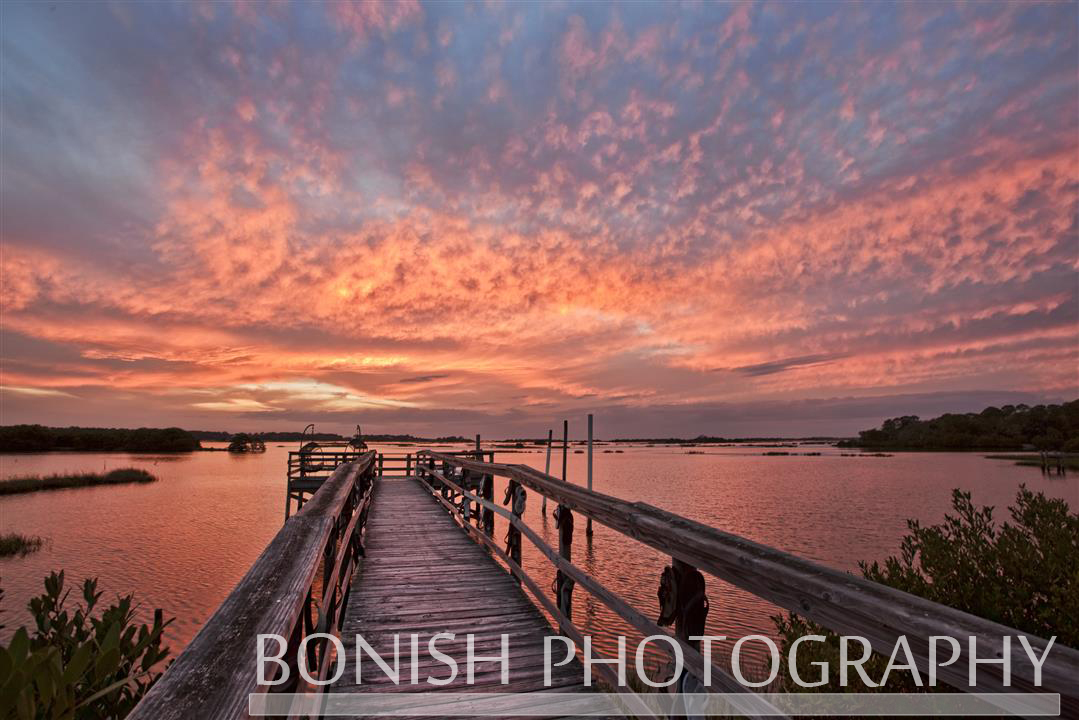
{"x":565,"y":625}
{"x":421,"y":574}
{"x":448,"y":612}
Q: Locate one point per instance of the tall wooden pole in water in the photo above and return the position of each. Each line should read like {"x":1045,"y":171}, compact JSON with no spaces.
{"x":565,"y":446}
{"x":547,"y":466}
{"x":564,"y":523}
{"x":485,"y":517}
{"x":588,"y":525}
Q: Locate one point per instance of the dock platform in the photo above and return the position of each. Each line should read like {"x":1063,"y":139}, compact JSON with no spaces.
{"x":422,"y":574}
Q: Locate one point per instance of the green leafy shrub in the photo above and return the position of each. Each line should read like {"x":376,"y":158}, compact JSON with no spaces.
{"x":1023,"y":574}
{"x":75,"y":665}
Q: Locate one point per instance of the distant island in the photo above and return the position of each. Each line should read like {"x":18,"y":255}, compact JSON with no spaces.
{"x":712,"y":440}
{"x":223,"y":436}
{"x":39,"y":438}
{"x":1011,"y":427}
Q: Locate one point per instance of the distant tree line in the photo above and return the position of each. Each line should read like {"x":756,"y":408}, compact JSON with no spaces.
{"x":1011,"y":427}
{"x":413,"y":438}
{"x":224,"y":436}
{"x":709,"y":439}
{"x":39,"y":438}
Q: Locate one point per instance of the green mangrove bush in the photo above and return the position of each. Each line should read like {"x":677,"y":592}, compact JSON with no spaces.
{"x":78,"y":664}
{"x":1023,"y":574}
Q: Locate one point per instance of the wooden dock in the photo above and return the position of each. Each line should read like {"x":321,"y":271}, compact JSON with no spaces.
{"x":385,"y":545}
{"x":421,"y":574}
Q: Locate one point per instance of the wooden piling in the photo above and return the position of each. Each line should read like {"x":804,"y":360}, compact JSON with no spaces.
{"x":564,"y":523}
{"x":588,"y":524}
{"x":487,"y":492}
{"x":565,"y":447}
{"x":547,"y":467}
{"x":563,"y":583}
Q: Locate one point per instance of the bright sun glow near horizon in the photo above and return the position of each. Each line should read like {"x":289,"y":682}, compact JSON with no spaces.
{"x":740,"y":219}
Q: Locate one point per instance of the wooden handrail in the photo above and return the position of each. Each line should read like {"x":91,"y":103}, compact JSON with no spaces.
{"x":745,"y":703}
{"x":842,"y":602}
{"x":214,"y":674}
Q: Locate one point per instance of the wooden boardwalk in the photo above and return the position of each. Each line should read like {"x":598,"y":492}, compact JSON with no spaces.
{"x":422,"y":574}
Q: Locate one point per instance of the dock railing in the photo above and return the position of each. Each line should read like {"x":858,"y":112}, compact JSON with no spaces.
{"x":282,"y":594}
{"x":844,"y":603}
{"x":308,"y":469}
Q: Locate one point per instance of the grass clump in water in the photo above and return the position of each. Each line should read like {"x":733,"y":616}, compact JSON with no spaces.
{"x":37,"y":483}
{"x":1069,"y":462}
{"x":12,"y":544}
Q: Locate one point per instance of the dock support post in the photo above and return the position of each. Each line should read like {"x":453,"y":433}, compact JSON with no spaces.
{"x":563,"y":520}
{"x":487,"y":492}
{"x":515,"y":498}
{"x":547,"y":467}
{"x":588,"y":524}
{"x":683,"y":603}
{"x":565,"y":447}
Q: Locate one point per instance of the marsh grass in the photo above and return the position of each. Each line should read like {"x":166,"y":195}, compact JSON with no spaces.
{"x":1070,"y":462}
{"x":13,"y":544}
{"x":37,"y":483}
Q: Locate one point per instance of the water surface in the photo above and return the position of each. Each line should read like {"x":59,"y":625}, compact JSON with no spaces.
{"x":182,"y":543}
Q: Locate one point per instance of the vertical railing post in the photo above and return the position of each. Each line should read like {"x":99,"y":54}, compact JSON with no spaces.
{"x":487,"y":492}
{"x":447,"y":471}
{"x":682,"y":601}
{"x":515,"y":498}
{"x":563,"y":520}
{"x":408,"y":465}
{"x":485,"y":516}
{"x":466,"y":504}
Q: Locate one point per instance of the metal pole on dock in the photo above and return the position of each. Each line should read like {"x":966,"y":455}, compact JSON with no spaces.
{"x":588,"y":524}
{"x":547,"y":466}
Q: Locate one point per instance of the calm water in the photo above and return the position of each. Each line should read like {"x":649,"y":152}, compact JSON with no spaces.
{"x":182,"y":543}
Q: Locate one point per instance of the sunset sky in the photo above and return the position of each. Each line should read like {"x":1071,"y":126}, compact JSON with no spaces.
{"x":765,"y":219}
